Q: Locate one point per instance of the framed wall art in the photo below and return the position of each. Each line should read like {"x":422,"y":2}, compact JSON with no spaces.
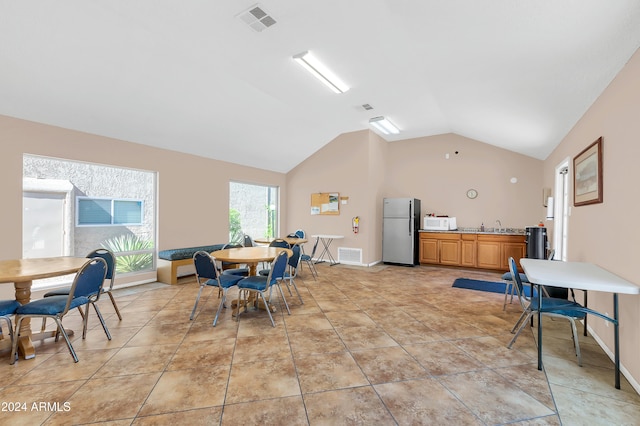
{"x":587,"y":175}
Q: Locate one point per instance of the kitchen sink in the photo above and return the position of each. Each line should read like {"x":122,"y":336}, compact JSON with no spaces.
{"x":493,"y":230}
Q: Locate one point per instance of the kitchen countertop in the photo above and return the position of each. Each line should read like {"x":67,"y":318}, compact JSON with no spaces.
{"x":489,"y":231}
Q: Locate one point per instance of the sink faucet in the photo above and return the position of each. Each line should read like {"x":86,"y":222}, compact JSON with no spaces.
{"x":499,"y":228}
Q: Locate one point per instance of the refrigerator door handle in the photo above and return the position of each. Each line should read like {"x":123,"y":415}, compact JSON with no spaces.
{"x":410,"y":218}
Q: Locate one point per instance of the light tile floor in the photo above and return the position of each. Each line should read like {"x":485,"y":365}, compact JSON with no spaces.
{"x":384,"y":345}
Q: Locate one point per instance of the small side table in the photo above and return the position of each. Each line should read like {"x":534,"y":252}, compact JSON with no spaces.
{"x":326,"y":243}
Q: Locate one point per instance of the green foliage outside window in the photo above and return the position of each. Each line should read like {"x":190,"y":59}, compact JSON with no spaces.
{"x":271,"y":222}
{"x":235,"y":227}
{"x":128,"y":243}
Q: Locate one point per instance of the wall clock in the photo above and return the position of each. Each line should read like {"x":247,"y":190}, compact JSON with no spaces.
{"x":472,"y":193}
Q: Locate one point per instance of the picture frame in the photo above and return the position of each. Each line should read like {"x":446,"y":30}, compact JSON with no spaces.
{"x":587,"y":175}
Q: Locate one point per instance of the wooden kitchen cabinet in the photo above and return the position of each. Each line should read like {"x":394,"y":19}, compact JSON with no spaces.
{"x":494,"y":250}
{"x":484,"y":251}
{"x":428,"y":250}
{"x":449,"y":252}
{"x":514,"y":249}
{"x":468,"y":250}
{"x":440,"y":248}
{"x":489,"y":254}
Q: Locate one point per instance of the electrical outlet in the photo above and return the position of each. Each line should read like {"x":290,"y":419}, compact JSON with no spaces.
{"x":606,"y":323}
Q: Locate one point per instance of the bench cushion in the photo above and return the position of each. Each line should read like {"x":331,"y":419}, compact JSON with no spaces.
{"x":187,"y":252}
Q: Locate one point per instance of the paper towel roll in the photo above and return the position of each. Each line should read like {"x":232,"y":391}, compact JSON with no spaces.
{"x":550,"y":208}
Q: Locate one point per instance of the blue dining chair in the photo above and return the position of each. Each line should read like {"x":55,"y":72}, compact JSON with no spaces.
{"x":279,"y":242}
{"x":110,"y":259}
{"x":234,"y":268}
{"x":510,"y":284}
{"x":551,"y":306}
{"x":259,"y":285}
{"x":8,"y":308}
{"x":291,"y":271}
{"x":85,"y":291}
{"x":308,"y":259}
{"x":248,"y":241}
{"x":207,"y":275}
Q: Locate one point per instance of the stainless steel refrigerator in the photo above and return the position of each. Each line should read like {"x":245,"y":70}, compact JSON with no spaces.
{"x":400,"y":224}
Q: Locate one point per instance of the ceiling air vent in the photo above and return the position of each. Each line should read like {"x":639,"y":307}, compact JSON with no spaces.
{"x":257,"y":18}
{"x":367,"y":107}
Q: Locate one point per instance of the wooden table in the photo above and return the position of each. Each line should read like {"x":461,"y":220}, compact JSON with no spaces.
{"x":250,"y":256}
{"x":22,"y":272}
{"x":581,"y":276}
{"x":292,"y":241}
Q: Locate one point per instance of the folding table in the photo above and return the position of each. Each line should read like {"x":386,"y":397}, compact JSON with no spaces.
{"x":582,"y":276}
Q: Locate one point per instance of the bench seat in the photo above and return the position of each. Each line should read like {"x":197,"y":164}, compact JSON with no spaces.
{"x":170,"y":260}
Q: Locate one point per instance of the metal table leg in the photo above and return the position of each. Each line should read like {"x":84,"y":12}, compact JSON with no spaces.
{"x":539,"y":327}
{"x":326,"y":242}
{"x":616,"y":338}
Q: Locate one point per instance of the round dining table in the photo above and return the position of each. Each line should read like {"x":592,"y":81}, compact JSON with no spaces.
{"x":250,"y":256}
{"x":22,"y":272}
{"x":290,"y":240}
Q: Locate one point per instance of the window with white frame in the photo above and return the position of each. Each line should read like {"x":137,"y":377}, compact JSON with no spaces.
{"x":72,"y":207}
{"x":106,"y":211}
{"x":253,"y":210}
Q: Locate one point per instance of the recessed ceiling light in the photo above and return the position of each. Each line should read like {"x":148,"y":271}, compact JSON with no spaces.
{"x":320,"y":71}
{"x":384,"y":125}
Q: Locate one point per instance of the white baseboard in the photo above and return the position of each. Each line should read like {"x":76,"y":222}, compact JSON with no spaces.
{"x":634,"y":384}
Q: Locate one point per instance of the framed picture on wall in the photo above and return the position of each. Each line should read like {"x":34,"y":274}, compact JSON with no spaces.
{"x":587,"y":175}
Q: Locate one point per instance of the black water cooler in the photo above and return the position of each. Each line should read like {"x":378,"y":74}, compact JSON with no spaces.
{"x":536,"y":242}
{"x":537,"y":249}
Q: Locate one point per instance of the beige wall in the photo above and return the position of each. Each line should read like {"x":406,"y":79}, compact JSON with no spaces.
{"x":340,"y":166}
{"x":418,"y":168}
{"x":603,"y":233}
{"x":193,"y":199}
{"x":367,"y":169}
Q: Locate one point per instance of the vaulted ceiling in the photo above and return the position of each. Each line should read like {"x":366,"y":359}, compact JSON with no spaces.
{"x":191,"y":76}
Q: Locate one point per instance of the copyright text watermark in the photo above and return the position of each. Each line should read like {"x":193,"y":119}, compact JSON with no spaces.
{"x":12,"y":407}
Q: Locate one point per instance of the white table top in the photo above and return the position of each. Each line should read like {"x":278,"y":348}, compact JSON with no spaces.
{"x":578,"y":275}
{"x":331,"y":237}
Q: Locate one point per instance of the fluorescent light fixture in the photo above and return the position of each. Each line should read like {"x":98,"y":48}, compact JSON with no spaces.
{"x":321,"y":72}
{"x":384,"y":125}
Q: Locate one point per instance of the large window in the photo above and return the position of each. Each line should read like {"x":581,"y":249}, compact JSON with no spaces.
{"x":71,"y":208}
{"x":253,"y":210}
